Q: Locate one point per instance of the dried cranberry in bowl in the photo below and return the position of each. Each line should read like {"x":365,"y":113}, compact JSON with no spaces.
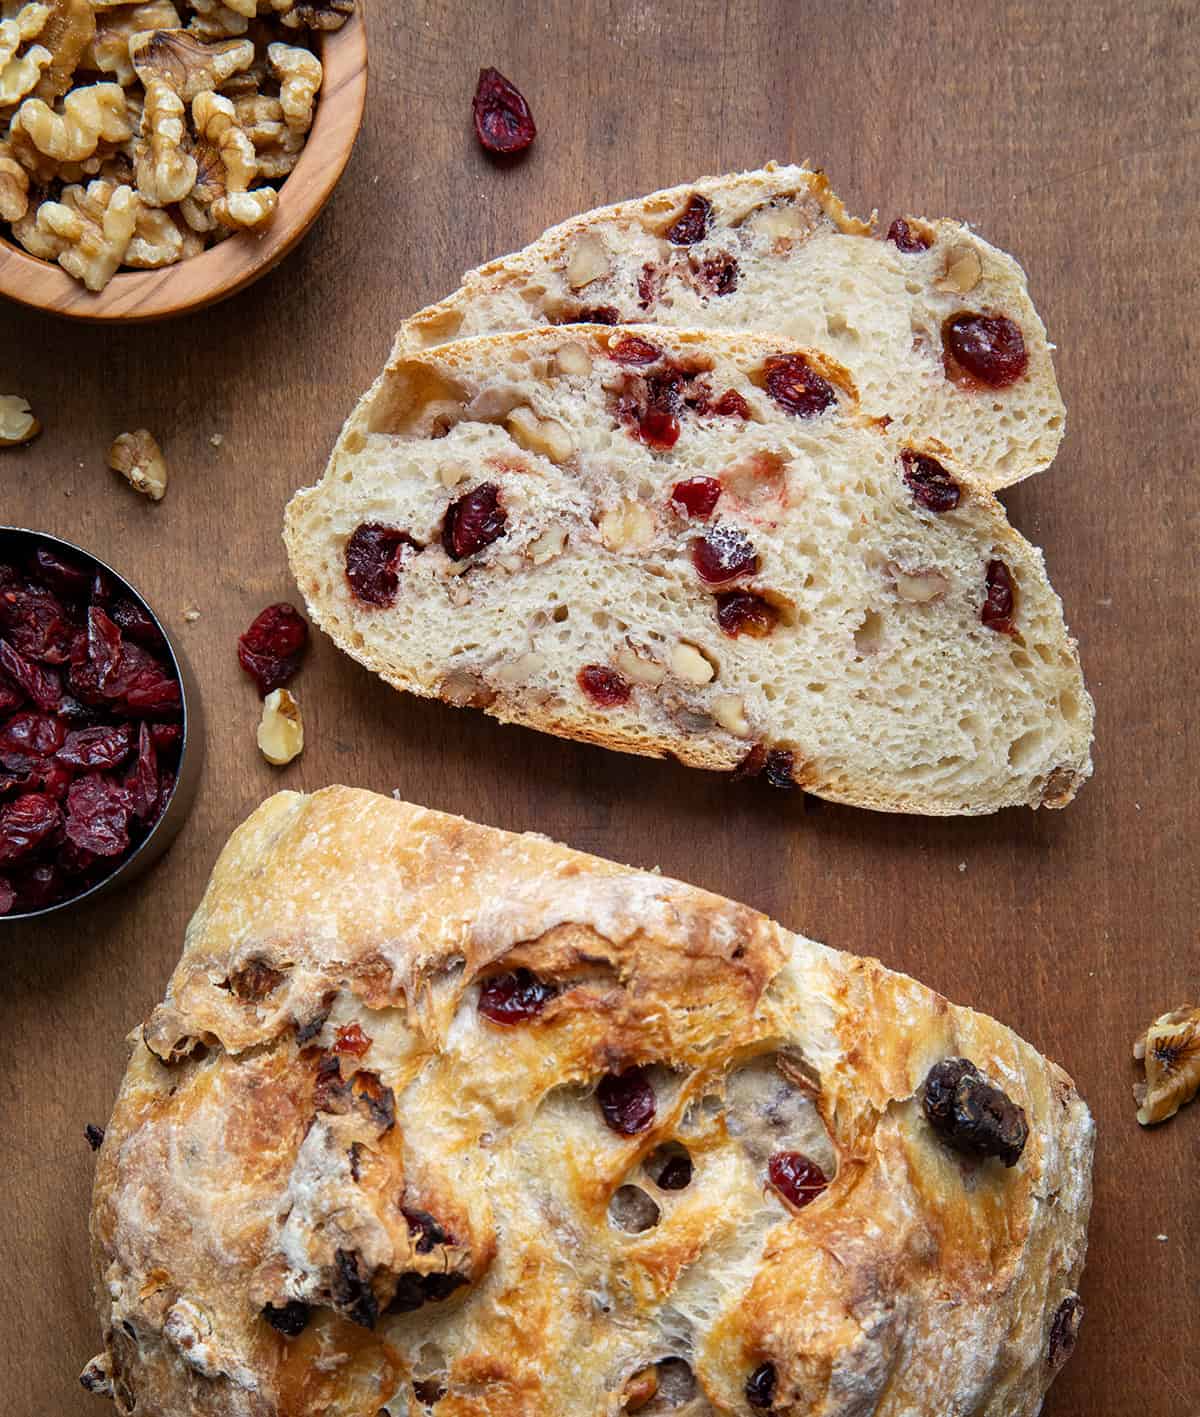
{"x":92,"y":726}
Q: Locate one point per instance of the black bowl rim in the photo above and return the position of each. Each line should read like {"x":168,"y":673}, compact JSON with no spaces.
{"x":106,"y":882}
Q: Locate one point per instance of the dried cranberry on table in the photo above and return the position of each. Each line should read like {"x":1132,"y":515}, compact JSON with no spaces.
{"x":270,"y":651}
{"x":503,"y":121}
{"x":90,"y":729}
{"x":990,"y":349}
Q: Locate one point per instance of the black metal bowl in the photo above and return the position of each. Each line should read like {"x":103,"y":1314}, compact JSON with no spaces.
{"x":16,"y":545}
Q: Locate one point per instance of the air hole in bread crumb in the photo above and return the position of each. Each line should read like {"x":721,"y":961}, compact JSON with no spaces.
{"x":633,"y":1210}
{"x":868,"y":638}
{"x":676,"y":1386}
{"x":1068,"y":705}
{"x":1023,"y":750}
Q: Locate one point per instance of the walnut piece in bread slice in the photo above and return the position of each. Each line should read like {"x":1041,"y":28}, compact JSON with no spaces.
{"x":936,"y":324}
{"x":695,"y":544}
{"x":439,"y":1118}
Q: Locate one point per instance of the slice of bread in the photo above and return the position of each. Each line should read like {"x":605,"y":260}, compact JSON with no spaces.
{"x":502,"y":525}
{"x":775,"y":252}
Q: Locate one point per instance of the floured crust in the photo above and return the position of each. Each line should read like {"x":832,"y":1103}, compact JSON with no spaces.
{"x":444,"y":412}
{"x":829,"y":281}
{"x":250,"y":1170}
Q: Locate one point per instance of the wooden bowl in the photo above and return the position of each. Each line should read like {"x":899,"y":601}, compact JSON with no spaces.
{"x":222,"y":271}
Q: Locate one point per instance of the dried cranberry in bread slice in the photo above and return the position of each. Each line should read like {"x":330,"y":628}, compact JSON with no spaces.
{"x":936,"y":325}
{"x":435,"y":1116}
{"x":695,"y":545}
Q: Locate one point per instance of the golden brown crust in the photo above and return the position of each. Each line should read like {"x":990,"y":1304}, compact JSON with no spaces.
{"x":342,"y":1130}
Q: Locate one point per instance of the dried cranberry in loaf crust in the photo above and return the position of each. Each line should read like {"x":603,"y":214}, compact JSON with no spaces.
{"x":796,"y":590}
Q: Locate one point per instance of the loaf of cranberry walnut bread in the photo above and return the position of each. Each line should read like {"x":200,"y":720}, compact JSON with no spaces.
{"x":698,"y":545}
{"x":436,"y":1118}
{"x":936,"y":324}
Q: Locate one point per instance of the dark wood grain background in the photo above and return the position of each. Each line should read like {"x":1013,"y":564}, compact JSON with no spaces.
{"x":1067,"y":133}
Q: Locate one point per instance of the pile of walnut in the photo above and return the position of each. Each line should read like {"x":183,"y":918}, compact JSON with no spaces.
{"x":139,"y":134}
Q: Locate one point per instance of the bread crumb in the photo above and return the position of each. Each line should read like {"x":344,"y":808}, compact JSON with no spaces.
{"x":191,"y":616}
{"x":1160,"y":1238}
{"x":216,"y":440}
{"x":962,"y":865}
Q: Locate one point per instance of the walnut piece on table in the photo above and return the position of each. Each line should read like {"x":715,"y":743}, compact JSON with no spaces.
{"x":281,"y":731}
{"x":1170,"y":1050}
{"x":139,"y":459}
{"x":17,"y":422}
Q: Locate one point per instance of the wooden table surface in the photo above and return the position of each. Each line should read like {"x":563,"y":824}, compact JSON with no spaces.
{"x":1067,"y":134}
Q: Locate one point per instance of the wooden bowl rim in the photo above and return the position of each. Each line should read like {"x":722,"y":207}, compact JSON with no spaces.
{"x":221,"y":271}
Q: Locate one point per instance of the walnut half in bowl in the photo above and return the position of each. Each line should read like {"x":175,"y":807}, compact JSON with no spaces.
{"x":160,"y":156}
